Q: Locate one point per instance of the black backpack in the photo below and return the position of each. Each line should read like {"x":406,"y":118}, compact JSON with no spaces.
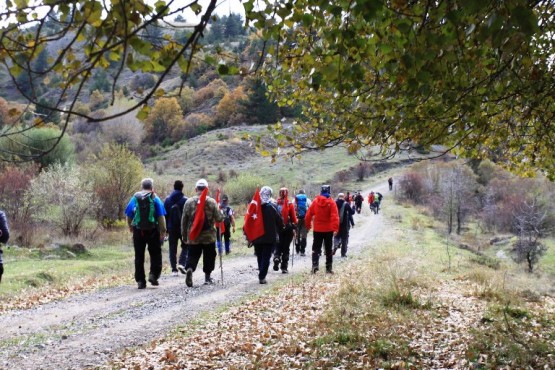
{"x":4,"y":230}
{"x":176,"y":213}
{"x":145,"y":215}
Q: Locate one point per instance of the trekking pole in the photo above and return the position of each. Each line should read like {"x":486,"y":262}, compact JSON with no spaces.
{"x":219,"y":237}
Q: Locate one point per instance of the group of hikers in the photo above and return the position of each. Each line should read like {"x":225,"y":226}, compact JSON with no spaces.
{"x":203,"y":226}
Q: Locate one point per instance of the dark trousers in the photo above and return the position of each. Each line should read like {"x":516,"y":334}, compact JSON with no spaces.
{"x":320,"y":238}
{"x":173,"y":241}
{"x":142,"y":239}
{"x":208,"y":252}
{"x":358,"y":207}
{"x":282,"y":249}
{"x":343,"y":238}
{"x":184,"y":255}
{"x":263,"y":255}
{"x":300,"y":243}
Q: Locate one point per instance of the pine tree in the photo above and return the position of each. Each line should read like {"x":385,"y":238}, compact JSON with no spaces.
{"x":257,"y":108}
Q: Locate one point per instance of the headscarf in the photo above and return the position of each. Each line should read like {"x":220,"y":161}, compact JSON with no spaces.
{"x":325,"y":194}
{"x":265,"y":194}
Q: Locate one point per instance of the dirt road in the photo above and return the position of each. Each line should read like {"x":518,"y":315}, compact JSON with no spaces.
{"x":85,"y":330}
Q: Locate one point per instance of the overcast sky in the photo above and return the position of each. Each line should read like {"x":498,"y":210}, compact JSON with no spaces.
{"x":224,"y":7}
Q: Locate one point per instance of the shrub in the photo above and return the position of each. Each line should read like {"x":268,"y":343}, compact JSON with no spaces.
{"x":142,"y":81}
{"x":242,"y":188}
{"x":116,"y":173}
{"x":63,"y":196}
{"x":412,"y":187}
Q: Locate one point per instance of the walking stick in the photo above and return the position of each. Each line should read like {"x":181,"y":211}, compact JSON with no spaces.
{"x":219,"y":237}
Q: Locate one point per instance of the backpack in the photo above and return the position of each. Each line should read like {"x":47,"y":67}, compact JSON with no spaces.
{"x":144,"y":218}
{"x":300,"y":201}
{"x":342,"y":213}
{"x":176,"y":213}
{"x":227,"y":216}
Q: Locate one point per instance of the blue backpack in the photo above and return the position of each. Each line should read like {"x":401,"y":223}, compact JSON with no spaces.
{"x":300,"y":201}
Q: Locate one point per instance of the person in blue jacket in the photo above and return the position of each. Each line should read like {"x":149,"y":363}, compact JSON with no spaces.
{"x":145,"y":217}
{"x":174,"y":209}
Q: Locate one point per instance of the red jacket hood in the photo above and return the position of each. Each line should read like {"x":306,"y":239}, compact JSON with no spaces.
{"x":322,"y":215}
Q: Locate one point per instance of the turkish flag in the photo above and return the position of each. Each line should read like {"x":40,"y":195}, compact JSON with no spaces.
{"x":219,"y":225}
{"x":198,"y":222}
{"x":254,"y":223}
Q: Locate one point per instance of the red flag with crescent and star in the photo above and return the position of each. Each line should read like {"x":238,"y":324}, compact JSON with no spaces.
{"x":254,"y":224}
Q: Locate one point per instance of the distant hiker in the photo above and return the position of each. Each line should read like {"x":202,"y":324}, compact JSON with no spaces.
{"x":228,"y":226}
{"x":371,"y":198}
{"x":390,"y":182}
{"x":287,"y":211}
{"x":199,"y":215}
{"x":301,"y":206}
{"x":263,"y":223}
{"x":145,"y":217}
{"x":174,"y":211}
{"x":341,"y":239}
{"x":377,"y":202}
{"x":323,"y":215}
{"x":359,"y":199}
{"x":4,"y":237}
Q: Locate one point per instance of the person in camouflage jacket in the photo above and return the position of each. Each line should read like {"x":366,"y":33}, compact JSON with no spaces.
{"x":205,"y":243}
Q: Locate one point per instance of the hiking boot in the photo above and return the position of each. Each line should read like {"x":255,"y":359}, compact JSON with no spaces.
{"x":189,"y":278}
{"x":175,"y":273}
{"x":335,"y":248}
{"x":329,"y":271}
{"x":314,"y":270}
{"x":142,"y":284}
{"x":208,"y":280}
{"x":302,"y":254}
{"x":152,"y":280}
{"x":182,"y":269}
{"x":276,"y":264}
{"x":227,"y":252}
{"x":284,"y":271}
{"x":263,"y":281}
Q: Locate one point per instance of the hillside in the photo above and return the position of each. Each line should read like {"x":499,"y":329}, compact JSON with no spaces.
{"x":227,"y":149}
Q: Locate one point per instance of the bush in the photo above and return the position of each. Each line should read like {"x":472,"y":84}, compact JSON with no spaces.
{"x":63,"y":196}
{"x":412,"y":187}
{"x":142,"y":81}
{"x":241,"y":189}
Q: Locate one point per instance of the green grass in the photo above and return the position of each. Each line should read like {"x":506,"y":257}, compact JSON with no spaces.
{"x":39,"y":268}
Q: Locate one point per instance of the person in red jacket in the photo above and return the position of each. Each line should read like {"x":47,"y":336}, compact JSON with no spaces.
{"x":324,"y":217}
{"x":287,"y":211}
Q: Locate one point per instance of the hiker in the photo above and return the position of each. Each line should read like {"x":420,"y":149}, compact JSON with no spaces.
{"x":301,"y":206}
{"x":287,"y":211}
{"x":371,"y":198}
{"x":390,"y":182}
{"x":345,"y":223}
{"x":174,"y":210}
{"x":229,"y":224}
{"x":4,"y":237}
{"x":145,"y":217}
{"x":199,"y":215}
{"x":263,"y":224}
{"x":359,"y":199}
{"x":323,"y":215}
{"x":377,"y":202}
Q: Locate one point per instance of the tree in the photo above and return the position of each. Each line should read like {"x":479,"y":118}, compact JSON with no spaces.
{"x":91,"y":36}
{"x":47,"y":114}
{"x":116,"y":174}
{"x":257,"y":108}
{"x":530,"y":224}
{"x":166,"y":114}
{"x":471,"y":74}
{"x":63,"y":196}
{"x":228,"y":111}
{"x":233,"y":26}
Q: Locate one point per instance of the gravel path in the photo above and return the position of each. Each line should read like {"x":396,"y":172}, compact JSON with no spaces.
{"x":86,"y":329}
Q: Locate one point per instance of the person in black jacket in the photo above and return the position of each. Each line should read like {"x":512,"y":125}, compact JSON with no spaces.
{"x":173,"y":225}
{"x":4,"y":237}
{"x":273,"y":225}
{"x":345,"y":223}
